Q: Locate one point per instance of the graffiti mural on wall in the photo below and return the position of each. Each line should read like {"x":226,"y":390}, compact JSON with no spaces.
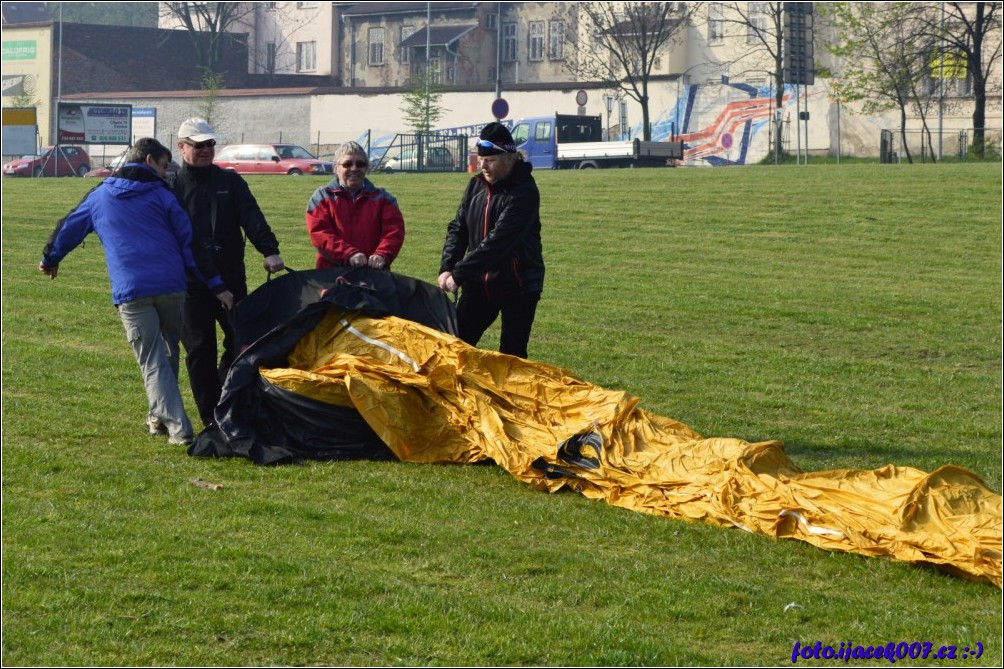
{"x":721,"y":125}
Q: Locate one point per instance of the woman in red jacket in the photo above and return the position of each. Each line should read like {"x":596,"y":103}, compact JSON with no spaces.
{"x":351,"y":222}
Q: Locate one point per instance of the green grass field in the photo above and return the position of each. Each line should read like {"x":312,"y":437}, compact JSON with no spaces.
{"x":851,"y":311}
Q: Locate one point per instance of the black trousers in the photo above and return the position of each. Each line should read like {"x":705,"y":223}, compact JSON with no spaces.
{"x":475,"y":313}
{"x":206,"y":369}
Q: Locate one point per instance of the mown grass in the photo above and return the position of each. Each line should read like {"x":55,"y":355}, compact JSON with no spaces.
{"x":852,"y":311}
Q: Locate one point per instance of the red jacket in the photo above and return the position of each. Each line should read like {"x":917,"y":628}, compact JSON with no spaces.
{"x":341,"y":224}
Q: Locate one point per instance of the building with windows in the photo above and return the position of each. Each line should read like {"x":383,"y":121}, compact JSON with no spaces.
{"x":381,"y":44}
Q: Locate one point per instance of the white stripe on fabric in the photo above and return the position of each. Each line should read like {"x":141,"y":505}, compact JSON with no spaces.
{"x":380,"y":344}
{"x":811,"y":529}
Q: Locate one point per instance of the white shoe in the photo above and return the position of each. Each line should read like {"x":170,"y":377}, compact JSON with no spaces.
{"x":156,"y":427}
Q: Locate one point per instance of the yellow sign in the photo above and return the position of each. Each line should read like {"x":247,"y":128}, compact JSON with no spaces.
{"x":19,"y":116}
{"x":949,"y":65}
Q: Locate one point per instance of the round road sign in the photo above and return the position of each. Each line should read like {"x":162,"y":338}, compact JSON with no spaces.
{"x":500,"y":108}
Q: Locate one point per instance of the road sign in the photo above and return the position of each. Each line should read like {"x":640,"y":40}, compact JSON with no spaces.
{"x":500,"y":108}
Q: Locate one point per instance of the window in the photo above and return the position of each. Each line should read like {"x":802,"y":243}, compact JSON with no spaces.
{"x":556,"y":40}
{"x":535,"y":47}
{"x":305,"y":5}
{"x":952,"y":87}
{"x":270,"y":6}
{"x":437,"y":74}
{"x":509,"y":42}
{"x":716,"y":24}
{"x":963,"y":86}
{"x":451,"y":73}
{"x":491,"y":21}
{"x":270,"y":52}
{"x":406,"y":32}
{"x":542,"y":132}
{"x":521,"y":133}
{"x":756,"y":22}
{"x":306,"y":56}
{"x":376,"y":46}
{"x":492,"y":73}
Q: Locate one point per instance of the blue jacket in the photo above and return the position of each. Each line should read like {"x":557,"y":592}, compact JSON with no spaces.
{"x":146,"y":235}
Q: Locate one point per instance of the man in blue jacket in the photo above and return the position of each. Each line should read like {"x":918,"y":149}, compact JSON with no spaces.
{"x":147,"y":240}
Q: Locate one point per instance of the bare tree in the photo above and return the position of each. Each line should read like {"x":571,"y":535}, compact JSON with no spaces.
{"x":628,"y":39}
{"x":207,"y":24}
{"x":970,"y":31}
{"x":763,"y":25}
{"x":886,"y":57}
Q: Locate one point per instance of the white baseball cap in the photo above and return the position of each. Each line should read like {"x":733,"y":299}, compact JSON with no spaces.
{"x":197,"y":130}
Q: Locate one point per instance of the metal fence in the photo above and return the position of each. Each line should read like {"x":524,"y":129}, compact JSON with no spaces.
{"x":422,"y":152}
{"x":929,"y":146}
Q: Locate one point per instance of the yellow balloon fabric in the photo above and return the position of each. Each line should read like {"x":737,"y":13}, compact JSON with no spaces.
{"x":434,"y":399}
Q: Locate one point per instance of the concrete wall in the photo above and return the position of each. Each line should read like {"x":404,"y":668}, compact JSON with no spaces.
{"x":237,"y":118}
{"x":722,"y":124}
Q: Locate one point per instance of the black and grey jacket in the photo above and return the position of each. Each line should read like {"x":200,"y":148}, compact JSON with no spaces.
{"x":493,"y":243}
{"x":223,"y":210}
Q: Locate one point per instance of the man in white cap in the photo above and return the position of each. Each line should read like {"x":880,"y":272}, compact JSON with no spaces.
{"x":223,"y":212}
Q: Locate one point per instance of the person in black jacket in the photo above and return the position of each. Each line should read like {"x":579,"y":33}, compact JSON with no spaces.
{"x":493,"y":253}
{"x":223,"y":211}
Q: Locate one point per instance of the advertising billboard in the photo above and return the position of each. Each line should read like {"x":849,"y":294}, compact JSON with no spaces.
{"x":83,"y":123}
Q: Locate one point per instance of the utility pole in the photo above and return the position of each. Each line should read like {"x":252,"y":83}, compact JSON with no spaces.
{"x":498,"y":53}
{"x":428,"y":51}
{"x":941,"y":82}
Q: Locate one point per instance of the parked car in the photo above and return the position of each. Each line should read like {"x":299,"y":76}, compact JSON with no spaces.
{"x":106,"y":171}
{"x":270,"y":159}
{"x":437,"y":159}
{"x":63,"y":161}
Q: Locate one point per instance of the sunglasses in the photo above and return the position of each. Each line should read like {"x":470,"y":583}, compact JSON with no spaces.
{"x":208,"y":144}
{"x":361,"y":164}
{"x":485,"y":144}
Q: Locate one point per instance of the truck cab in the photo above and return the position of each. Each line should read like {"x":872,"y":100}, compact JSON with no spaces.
{"x":538,"y":137}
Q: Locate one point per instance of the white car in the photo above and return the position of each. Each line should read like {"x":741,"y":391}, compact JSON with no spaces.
{"x":437,"y":159}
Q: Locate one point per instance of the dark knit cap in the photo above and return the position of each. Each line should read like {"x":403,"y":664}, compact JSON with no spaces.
{"x":497,"y":134}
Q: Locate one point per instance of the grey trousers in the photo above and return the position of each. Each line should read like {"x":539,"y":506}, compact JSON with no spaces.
{"x":153,"y":327}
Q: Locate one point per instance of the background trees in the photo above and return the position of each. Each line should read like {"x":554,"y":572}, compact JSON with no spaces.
{"x":886,"y":55}
{"x":900,"y":55}
{"x":971,"y":31}
{"x":628,"y":39}
{"x":207,"y":24}
{"x":422,"y":106}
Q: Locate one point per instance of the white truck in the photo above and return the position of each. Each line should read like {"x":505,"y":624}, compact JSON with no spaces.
{"x":567,"y":141}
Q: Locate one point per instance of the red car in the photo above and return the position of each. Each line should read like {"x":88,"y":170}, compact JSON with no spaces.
{"x":106,"y":171}
{"x":62,"y":161}
{"x":270,"y":159}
